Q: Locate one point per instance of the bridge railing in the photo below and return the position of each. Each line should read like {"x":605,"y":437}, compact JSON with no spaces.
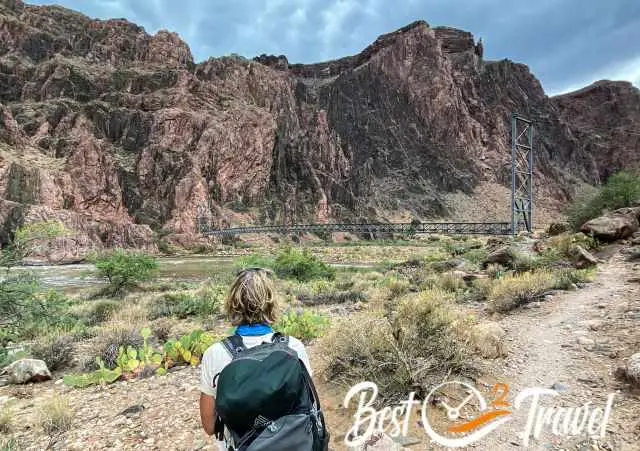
{"x":444,"y":228}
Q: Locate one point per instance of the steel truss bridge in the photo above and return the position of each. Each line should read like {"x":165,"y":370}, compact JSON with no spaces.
{"x":443,"y":228}
{"x":521,"y":204}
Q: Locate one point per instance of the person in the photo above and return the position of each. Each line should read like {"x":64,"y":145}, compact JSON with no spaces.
{"x":251,"y":306}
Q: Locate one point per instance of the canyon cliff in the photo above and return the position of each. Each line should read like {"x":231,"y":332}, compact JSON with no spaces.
{"x":119,"y":133}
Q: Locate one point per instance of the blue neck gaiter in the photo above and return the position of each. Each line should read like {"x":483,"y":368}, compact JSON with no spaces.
{"x":253,"y":330}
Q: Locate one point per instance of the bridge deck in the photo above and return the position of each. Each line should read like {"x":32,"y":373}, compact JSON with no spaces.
{"x":445,"y":228}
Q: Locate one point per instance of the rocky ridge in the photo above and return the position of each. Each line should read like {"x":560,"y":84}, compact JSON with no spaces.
{"x":120,"y":133}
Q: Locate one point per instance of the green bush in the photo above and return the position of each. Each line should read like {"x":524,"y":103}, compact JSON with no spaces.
{"x":123,"y":269}
{"x":304,"y":325}
{"x":253,"y":261}
{"x":621,"y":190}
{"x":302,"y":266}
{"x":100,"y":311}
{"x":565,"y":278}
{"x":18,"y":304}
{"x":207,"y":301}
{"x":42,"y":313}
{"x":412,"y":348}
{"x":56,"y":352}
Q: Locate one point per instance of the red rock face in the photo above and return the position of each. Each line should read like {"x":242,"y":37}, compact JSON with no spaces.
{"x":118,"y":132}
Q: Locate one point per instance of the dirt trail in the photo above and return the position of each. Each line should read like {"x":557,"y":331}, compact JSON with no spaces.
{"x":576,"y":340}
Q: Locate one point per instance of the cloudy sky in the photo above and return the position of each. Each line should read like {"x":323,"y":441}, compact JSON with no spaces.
{"x":567,"y":43}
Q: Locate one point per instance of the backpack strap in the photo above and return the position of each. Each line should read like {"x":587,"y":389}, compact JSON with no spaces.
{"x":234,"y":345}
{"x":279,"y":338}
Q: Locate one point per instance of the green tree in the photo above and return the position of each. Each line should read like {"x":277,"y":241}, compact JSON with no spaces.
{"x":621,"y":190}
{"x":123,"y":269}
{"x":18,"y":290}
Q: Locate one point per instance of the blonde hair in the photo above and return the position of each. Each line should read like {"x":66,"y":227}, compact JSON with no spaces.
{"x":251,"y":299}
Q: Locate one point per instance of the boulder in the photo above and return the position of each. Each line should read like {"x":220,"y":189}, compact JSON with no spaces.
{"x":556,"y":228}
{"x":488,"y":339}
{"x":617,"y":225}
{"x":28,"y":370}
{"x":378,"y":442}
{"x":582,"y":257}
{"x":502,"y":256}
{"x":633,"y":369}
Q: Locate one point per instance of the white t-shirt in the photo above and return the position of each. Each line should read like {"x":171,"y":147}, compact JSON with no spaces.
{"x":217,"y":357}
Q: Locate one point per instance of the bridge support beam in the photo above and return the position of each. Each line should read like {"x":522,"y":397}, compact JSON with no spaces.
{"x":521,"y":174}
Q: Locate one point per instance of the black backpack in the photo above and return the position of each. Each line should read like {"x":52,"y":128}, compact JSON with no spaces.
{"x":267,"y":400}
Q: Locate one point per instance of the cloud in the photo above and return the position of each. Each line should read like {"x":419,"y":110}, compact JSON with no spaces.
{"x":564,"y":42}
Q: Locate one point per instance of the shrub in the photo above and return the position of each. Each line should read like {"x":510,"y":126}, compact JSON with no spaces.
{"x":123,"y":269}
{"x":253,"y":261}
{"x":515,"y":290}
{"x":620,"y":190}
{"x":56,"y":415}
{"x":208,"y":301}
{"x":522,"y":262}
{"x":304,"y":325}
{"x":495,"y":270}
{"x":17,"y":302}
{"x":302,"y":266}
{"x":565,"y":278}
{"x":475,"y":256}
{"x":162,"y":329}
{"x":395,"y":283}
{"x":408,"y":350}
{"x":57,"y":352}
{"x":451,"y":281}
{"x":6,"y":417}
{"x":111,"y":341}
{"x":332,"y":297}
{"x":100,"y":311}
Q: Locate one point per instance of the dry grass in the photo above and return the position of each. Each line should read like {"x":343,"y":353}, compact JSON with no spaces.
{"x":57,"y":351}
{"x":6,"y":418}
{"x":515,"y":290}
{"x":401,"y":350}
{"x":450,"y":281}
{"x":131,"y":314}
{"x":56,"y":415}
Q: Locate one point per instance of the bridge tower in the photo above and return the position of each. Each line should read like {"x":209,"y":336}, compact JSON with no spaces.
{"x":521,"y":174}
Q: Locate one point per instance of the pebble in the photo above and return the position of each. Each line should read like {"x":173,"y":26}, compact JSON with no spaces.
{"x":584,"y":341}
{"x":560,"y":388}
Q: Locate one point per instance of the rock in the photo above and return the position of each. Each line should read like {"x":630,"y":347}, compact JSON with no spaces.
{"x":406,"y":441}
{"x":560,"y":388}
{"x":502,"y":256}
{"x":132,"y":410}
{"x":556,"y":228}
{"x":633,"y":369}
{"x":613,"y":226}
{"x":633,"y":254}
{"x":378,"y":442}
{"x":28,"y":370}
{"x":593,"y":324}
{"x":145,"y":136}
{"x":583,"y":258}
{"x":447,"y":265}
{"x":488,"y":339}
{"x":586,"y":342}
